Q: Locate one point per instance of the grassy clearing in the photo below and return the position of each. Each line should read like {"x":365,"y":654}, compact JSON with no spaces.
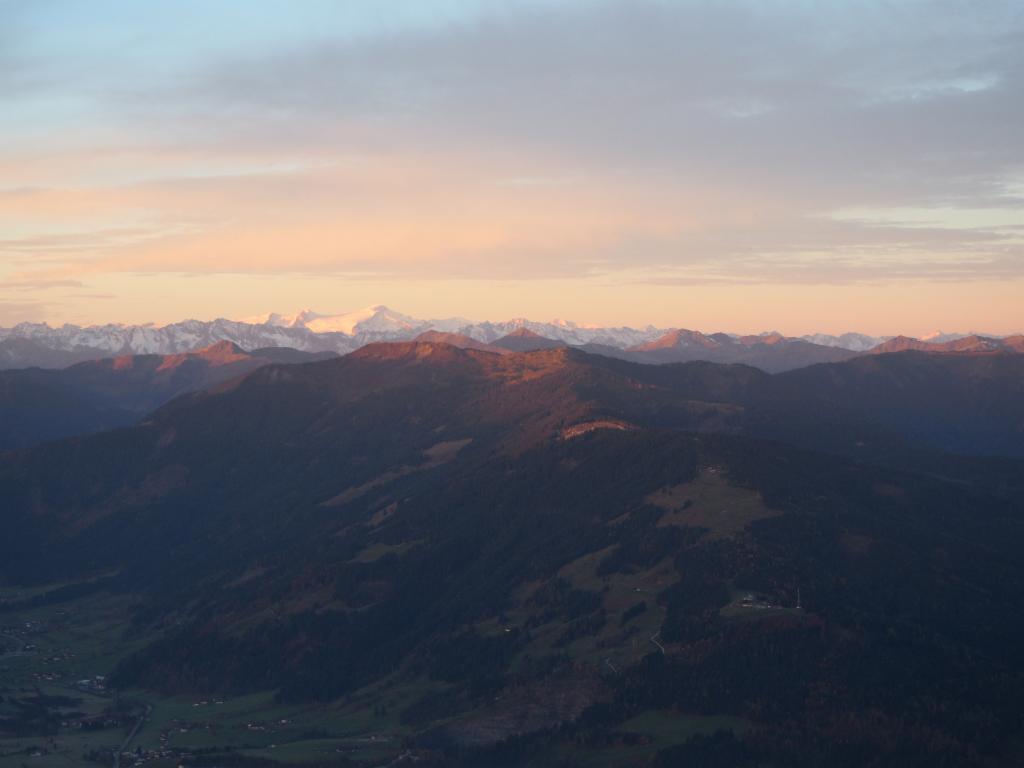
{"x":620,"y":644}
{"x":312,"y":750}
{"x":364,"y":726}
{"x":65,"y":749}
{"x":710,"y":502}
{"x":379,"y":550}
{"x":657,"y":729}
{"x":669,"y":728}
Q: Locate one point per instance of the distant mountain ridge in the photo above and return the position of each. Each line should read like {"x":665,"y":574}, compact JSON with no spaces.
{"x":974,"y":344}
{"x":38,"y":344}
{"x":37,"y":404}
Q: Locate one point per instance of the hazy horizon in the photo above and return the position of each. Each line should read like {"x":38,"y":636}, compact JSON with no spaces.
{"x":287,"y":312}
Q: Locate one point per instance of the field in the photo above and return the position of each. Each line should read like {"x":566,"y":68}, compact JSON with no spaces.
{"x":52,"y":680}
{"x":53,"y":674}
{"x":640,"y":738}
{"x":710,"y":502}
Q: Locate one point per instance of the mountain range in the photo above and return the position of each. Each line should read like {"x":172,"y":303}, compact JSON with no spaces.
{"x":554,"y":557}
{"x":38,"y":404}
{"x":38,"y":344}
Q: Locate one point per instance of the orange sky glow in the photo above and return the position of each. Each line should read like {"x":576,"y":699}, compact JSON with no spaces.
{"x":461,"y":159}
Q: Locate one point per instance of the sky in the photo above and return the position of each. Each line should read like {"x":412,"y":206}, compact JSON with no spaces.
{"x":738,"y":165}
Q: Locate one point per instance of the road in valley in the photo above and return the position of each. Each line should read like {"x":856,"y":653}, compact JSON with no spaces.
{"x":18,"y":642}
{"x":126,"y":744}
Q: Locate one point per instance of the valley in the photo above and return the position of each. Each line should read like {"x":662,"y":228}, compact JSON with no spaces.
{"x":56,"y":695}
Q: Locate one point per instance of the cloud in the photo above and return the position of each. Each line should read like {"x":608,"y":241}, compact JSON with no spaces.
{"x":642,"y":141}
{"x":822,"y":98}
{"x":14,"y":312}
{"x":458,"y":216}
{"x":38,"y":285}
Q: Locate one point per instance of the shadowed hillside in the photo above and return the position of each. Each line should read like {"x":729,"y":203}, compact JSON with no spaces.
{"x":555,"y":538}
{"x":37,"y":405}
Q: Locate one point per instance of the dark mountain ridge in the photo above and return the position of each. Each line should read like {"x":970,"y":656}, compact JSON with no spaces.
{"x":525,"y":340}
{"x":770,"y":352}
{"x":38,"y":404}
{"x":458,"y":340}
{"x":513,"y":532}
{"x":974,"y":344}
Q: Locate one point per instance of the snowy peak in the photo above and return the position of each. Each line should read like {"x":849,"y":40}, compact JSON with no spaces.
{"x":374,"y":319}
{"x":855,"y":342}
{"x":273,"y":319}
{"x":938,"y":337}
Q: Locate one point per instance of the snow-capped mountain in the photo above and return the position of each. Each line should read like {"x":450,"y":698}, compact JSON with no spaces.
{"x":381,"y":323}
{"x":567,"y":331}
{"x":370,"y":320}
{"x":938,"y":337}
{"x":40,"y":344}
{"x":855,"y":342}
{"x":169,"y":339}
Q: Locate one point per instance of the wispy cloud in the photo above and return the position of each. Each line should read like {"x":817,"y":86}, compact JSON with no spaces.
{"x":37,"y":285}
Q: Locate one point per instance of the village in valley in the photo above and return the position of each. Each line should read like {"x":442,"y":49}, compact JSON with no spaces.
{"x":58,"y":709}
